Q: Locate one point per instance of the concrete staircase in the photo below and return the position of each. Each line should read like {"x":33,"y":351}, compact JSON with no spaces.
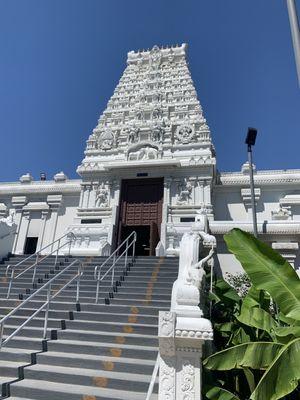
{"x":93,"y":351}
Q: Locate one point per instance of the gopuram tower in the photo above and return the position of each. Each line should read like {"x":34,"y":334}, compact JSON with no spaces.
{"x":149,"y":164}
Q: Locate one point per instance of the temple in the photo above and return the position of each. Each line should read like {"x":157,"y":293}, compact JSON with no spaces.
{"x":150,"y":166}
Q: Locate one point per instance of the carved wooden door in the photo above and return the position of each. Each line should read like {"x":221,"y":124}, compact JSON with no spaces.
{"x":141,"y":205}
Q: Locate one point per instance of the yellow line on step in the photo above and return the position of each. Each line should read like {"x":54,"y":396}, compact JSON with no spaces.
{"x":100,"y":381}
{"x":116,"y":352}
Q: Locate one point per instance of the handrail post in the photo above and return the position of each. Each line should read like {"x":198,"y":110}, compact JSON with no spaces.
{"x":56,"y":256}
{"x":98,"y":284}
{"x":113,"y":274}
{"x":10,"y":282}
{"x":78,"y":281}
{"x":125,"y":264}
{"x":113,"y":270}
{"x":34,"y":273}
{"x":70,"y":244}
{"x":47,"y":312}
{"x":133,"y":248}
{"x":1,"y":334}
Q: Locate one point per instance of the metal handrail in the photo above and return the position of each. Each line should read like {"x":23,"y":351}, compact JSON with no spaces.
{"x":46,"y":305}
{"x":98,"y":268}
{"x":37,"y":260}
{"x":153,"y":377}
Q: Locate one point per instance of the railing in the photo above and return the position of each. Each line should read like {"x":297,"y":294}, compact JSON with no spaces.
{"x":37,"y":260}
{"x":128,"y":242}
{"x":45,"y":306}
{"x":153,"y":377}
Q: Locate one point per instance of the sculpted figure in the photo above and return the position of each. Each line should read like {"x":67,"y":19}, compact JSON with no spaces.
{"x":157,"y":133}
{"x":101,"y":196}
{"x":133,"y":135}
{"x":10,"y":219}
{"x":185,"y":192}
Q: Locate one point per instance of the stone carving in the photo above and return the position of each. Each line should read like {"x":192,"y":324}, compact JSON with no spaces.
{"x":185,"y":133}
{"x":185,"y":292}
{"x":106,"y":140}
{"x":188,"y":380}
{"x":283,"y":213}
{"x":185,"y":192}
{"x":166,"y":333}
{"x":157,"y":133}
{"x":156,"y":97}
{"x":171,"y":56}
{"x":133,"y":134}
{"x":139,"y":114}
{"x":167,"y":379}
{"x":144,"y":152}
{"x":155,"y":56}
{"x":166,"y":323}
{"x":157,"y":113}
{"x":101,"y":196}
{"x":195,"y":272}
{"x":10,"y":219}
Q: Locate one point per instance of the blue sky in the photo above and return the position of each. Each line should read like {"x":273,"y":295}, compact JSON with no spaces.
{"x":61,"y":59}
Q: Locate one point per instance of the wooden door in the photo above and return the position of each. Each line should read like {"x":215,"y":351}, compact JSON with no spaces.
{"x":141,"y":205}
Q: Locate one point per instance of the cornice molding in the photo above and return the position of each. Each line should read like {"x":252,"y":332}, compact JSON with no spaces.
{"x":16,"y":188}
{"x":284,"y":177}
{"x":270,"y":227}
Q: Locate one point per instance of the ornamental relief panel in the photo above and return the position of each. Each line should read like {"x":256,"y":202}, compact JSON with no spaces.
{"x":184,"y":133}
{"x":106,"y":139}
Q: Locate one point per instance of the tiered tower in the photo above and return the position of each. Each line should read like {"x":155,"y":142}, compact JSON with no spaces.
{"x":153,"y":127}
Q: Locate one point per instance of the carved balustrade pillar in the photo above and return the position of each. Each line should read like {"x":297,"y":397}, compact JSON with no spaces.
{"x":180,"y":348}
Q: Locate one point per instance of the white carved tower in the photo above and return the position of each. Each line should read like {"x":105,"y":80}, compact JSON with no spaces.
{"x":153,"y":127}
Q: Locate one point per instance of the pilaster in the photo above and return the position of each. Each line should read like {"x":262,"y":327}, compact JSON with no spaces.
{"x":54,"y":202}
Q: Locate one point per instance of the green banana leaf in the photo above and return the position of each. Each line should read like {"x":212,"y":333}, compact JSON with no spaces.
{"x":225,"y":292}
{"x":258,"y":318}
{"x":267,"y":270}
{"x":255,"y":355}
{"x":289,"y":332}
{"x":217,"y":393}
{"x":283,"y":375}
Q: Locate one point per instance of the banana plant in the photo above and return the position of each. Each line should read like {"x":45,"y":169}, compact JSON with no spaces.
{"x":267,"y":355}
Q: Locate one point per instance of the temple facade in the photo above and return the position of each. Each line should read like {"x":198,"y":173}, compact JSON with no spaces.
{"x":150,"y":166}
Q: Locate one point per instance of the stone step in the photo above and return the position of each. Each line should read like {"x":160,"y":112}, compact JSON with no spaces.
{"x":89,"y":377}
{"x":132,"y":365}
{"x":105,"y":349}
{"x":108,"y":337}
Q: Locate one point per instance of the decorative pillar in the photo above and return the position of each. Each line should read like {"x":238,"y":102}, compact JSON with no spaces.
{"x":22,"y":232}
{"x":115,"y":188}
{"x":165,"y":211}
{"x":18,"y":202}
{"x":54,"y":201}
{"x":81,"y":196}
{"x":88,"y":188}
{"x":41,"y":237}
{"x":201,"y":192}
